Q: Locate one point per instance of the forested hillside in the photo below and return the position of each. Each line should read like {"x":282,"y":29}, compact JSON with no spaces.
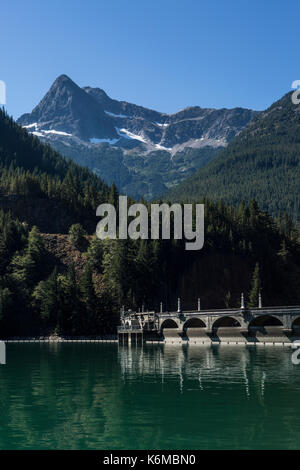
{"x":262,"y":163}
{"x":39,"y":184}
{"x":55,"y":276}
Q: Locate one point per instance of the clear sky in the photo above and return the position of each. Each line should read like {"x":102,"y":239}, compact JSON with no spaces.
{"x":162,"y":54}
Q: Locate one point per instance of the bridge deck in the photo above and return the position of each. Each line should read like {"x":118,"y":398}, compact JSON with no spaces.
{"x":278,"y":324}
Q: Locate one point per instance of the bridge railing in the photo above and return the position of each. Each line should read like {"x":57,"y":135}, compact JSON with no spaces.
{"x":123,"y":328}
{"x":223,"y":312}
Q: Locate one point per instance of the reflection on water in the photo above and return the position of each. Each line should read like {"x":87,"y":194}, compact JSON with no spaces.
{"x":228,"y":364}
{"x":89,"y":396}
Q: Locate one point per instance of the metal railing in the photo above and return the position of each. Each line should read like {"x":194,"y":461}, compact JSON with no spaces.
{"x":123,"y":328}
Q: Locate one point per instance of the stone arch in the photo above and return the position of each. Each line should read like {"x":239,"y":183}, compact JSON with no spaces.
{"x":296,"y":326}
{"x":194,"y":323}
{"x":296,"y":322}
{"x":226,"y":322}
{"x":265,"y":320}
{"x":168,"y":323}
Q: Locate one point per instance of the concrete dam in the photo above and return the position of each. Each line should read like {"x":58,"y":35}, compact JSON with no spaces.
{"x":261,"y":325}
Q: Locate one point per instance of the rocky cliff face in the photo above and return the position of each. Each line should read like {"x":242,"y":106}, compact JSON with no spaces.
{"x":90,"y":127}
{"x":67,"y":109}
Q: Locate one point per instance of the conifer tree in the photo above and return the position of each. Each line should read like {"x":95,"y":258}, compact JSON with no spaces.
{"x":77,"y":236}
{"x":50,"y":305}
{"x":113,"y":196}
{"x":255,"y":287}
{"x":36,"y":247}
{"x":95,"y":253}
{"x":69,"y":301}
{"x":6,"y":303}
{"x":89,"y":299}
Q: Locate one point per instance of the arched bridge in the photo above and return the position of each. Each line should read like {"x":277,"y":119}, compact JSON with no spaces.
{"x":275,"y":325}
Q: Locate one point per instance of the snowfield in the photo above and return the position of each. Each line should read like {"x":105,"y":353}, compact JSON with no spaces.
{"x":118,"y":115}
{"x":94,"y":140}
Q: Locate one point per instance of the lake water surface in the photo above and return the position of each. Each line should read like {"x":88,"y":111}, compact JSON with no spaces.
{"x":106,"y":396}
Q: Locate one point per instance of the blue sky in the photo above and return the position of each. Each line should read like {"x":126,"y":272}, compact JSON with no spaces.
{"x":163,"y":54}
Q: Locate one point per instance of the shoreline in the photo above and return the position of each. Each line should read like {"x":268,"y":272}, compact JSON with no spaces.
{"x":113,"y":339}
{"x":58,"y":339}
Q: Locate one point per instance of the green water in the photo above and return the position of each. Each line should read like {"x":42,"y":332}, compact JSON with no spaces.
{"x":105,"y":396}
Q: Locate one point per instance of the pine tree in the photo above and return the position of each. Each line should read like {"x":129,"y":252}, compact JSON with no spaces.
{"x":116,"y":275}
{"x":283,"y":253}
{"x":227,"y":299}
{"x":95,"y":254}
{"x":69,"y":310}
{"x":49,"y":299}
{"x":113,"y":196}
{"x":6,"y":303}
{"x":255,"y":287}
{"x":77,"y":236}
{"x":89,"y":299}
{"x":35,"y":247}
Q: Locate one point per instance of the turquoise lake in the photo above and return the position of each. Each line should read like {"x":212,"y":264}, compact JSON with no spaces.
{"x":107,"y":396}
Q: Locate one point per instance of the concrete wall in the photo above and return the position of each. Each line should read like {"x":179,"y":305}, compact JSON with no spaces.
{"x":229,"y":335}
{"x":197,"y":336}
{"x":269,"y":334}
{"x":226,"y":335}
{"x":234,"y":335}
{"x":172,"y":335}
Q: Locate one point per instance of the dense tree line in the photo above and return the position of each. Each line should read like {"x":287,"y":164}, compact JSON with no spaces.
{"x":31,"y":168}
{"x":34,"y":300}
{"x":245,"y":250}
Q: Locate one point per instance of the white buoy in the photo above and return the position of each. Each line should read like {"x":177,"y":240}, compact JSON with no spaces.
{"x":199,"y":305}
{"x":178,"y":305}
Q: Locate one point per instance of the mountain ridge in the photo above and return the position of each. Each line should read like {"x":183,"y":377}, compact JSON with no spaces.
{"x":87,"y":125}
{"x":262,"y":162}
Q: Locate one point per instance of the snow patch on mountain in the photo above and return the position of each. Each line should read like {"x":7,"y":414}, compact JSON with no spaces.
{"x":42,"y":132}
{"x":52,"y":131}
{"x":161,"y":147}
{"x":160,"y":124}
{"x":130,"y":135}
{"x":94,"y":140}
{"x":35,"y":125}
{"x":118,"y":115}
{"x":37,"y":134}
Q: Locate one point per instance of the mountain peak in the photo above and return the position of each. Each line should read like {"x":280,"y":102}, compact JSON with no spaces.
{"x":63,"y":76}
{"x":68,"y":108}
{"x":63,"y":81}
{"x":116,"y":137}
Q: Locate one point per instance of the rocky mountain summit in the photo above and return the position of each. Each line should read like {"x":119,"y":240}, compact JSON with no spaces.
{"x":143,"y":151}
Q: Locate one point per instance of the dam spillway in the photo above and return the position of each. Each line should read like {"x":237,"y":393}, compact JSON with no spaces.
{"x":252,"y":326}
